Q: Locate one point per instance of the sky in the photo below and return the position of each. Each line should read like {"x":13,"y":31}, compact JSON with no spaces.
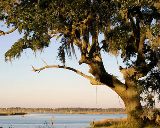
{"x":54,"y":88}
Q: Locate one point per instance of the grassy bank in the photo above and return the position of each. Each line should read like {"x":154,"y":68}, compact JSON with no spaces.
{"x":109,"y":123}
{"x":117,"y":123}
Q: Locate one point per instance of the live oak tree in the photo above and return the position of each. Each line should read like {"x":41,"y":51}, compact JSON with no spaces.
{"x":128,"y":28}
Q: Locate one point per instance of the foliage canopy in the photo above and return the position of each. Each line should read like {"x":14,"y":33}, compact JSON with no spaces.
{"x":130,"y":28}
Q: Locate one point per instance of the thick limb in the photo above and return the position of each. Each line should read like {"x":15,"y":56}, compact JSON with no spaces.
{"x":92,"y":80}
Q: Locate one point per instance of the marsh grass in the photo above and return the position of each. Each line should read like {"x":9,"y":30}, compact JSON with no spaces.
{"x":117,"y":123}
{"x":48,"y":124}
{"x":108,"y":123}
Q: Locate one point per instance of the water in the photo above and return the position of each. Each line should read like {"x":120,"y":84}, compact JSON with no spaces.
{"x":53,"y":120}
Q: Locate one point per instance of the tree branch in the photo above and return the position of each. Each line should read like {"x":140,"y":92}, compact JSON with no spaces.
{"x":5,"y":33}
{"x":93,"y":81}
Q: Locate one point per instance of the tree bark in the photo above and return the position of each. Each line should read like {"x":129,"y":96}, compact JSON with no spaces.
{"x":133,"y":108}
{"x":129,"y":93}
{"x":131,"y":99}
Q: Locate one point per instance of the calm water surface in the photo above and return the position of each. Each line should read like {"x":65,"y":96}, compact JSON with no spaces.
{"x":53,"y":120}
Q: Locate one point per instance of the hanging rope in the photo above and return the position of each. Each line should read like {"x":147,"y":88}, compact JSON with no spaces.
{"x":117,"y":61}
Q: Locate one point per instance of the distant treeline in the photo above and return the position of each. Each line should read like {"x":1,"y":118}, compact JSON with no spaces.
{"x":62,"y":110}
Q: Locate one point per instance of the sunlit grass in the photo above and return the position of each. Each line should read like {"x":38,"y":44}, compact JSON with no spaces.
{"x":108,"y":123}
{"x":117,"y":123}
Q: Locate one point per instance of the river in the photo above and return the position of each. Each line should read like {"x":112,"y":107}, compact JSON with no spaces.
{"x":53,"y":120}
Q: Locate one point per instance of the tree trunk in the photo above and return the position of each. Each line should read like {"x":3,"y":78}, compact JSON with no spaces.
{"x":131,"y":98}
{"x":129,"y":92}
{"x":133,"y":108}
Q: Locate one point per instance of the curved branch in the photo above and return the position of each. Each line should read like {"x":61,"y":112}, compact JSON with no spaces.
{"x":93,"y":81}
{"x":5,"y":33}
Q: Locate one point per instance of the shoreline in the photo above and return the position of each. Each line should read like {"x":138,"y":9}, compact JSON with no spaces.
{"x":12,"y":114}
{"x":96,"y":113}
{"x":23,"y":111}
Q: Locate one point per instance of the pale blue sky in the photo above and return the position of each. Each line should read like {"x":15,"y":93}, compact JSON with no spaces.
{"x":20,"y":87}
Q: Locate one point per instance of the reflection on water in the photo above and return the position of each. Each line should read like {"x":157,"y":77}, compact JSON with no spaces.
{"x":53,"y":120}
